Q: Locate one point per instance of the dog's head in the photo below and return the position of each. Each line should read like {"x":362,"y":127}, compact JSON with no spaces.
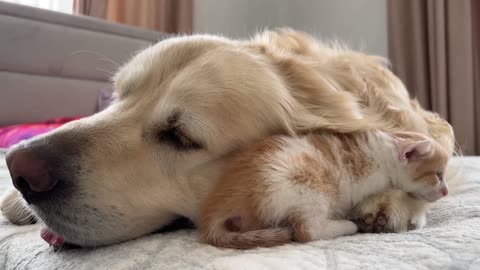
{"x":182,"y":106}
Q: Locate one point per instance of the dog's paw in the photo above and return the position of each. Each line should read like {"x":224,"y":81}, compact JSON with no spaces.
{"x":15,"y":210}
{"x":417,"y":221}
{"x":393,"y":211}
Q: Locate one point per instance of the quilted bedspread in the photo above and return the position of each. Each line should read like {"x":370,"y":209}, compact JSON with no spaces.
{"x":451,"y":240}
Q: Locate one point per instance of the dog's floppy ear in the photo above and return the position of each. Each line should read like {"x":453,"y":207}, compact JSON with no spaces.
{"x":320,"y":100}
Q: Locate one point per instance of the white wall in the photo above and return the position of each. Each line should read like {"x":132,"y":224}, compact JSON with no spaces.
{"x":362,"y":24}
{"x":65,"y":6}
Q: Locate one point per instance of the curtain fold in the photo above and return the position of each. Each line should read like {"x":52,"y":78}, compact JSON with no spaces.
{"x":169,"y":16}
{"x":94,"y":8}
{"x":433,"y":45}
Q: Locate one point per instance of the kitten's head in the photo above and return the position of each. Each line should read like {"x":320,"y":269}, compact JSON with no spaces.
{"x":422,"y":164}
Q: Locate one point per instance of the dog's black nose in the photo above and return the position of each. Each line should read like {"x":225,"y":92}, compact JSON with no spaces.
{"x":29,"y":172}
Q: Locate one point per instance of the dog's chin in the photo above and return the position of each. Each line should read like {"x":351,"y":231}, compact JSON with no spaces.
{"x":68,"y":238}
{"x":59,"y":232}
{"x":57,"y":236}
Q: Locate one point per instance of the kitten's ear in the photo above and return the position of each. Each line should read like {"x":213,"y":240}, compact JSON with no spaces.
{"x":410,"y":151}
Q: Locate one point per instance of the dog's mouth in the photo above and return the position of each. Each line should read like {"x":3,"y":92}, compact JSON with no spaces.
{"x":55,"y":240}
{"x":51,"y":237}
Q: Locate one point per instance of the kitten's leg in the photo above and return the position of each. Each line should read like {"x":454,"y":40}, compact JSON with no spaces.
{"x":310,"y":226}
{"x":392,"y":211}
{"x":328,"y":229}
{"x":14,"y":208}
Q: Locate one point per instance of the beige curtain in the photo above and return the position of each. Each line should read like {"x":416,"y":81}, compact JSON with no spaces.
{"x":433,"y":48}
{"x":169,"y":16}
{"x":95,"y":8}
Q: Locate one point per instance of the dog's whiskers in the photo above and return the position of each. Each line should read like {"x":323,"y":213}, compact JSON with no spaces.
{"x":106,"y":71}
{"x":112,"y":64}
{"x":102,"y":57}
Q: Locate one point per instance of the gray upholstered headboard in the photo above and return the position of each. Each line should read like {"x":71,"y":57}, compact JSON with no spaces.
{"x":47,"y":65}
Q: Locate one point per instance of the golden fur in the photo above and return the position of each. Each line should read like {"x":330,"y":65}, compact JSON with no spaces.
{"x":220,"y":95}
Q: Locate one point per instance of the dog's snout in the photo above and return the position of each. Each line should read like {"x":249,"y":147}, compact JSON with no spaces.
{"x":29,"y":172}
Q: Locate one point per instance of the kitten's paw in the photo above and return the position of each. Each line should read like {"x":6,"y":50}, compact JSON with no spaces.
{"x":393,"y":211}
{"x":374,"y":223}
{"x":14,"y":208}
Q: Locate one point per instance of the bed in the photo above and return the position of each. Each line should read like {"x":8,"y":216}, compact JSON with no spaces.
{"x":451,"y":240}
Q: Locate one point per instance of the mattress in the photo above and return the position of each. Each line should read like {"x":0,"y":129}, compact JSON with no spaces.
{"x":451,"y":240}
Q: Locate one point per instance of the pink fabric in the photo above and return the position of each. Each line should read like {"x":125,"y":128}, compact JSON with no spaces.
{"x":11,"y":135}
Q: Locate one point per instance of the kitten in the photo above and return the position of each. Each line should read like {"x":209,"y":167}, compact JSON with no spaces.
{"x":301,"y":189}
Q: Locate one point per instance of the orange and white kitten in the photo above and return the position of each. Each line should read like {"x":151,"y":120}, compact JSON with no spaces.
{"x":301,"y":189}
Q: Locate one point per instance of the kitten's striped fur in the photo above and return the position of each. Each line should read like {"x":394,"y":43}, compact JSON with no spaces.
{"x":302,"y":188}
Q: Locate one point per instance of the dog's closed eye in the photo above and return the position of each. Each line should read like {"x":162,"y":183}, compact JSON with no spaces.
{"x":177,"y":138}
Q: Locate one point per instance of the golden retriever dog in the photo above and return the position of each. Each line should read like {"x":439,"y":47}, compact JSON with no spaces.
{"x":183,"y":107}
